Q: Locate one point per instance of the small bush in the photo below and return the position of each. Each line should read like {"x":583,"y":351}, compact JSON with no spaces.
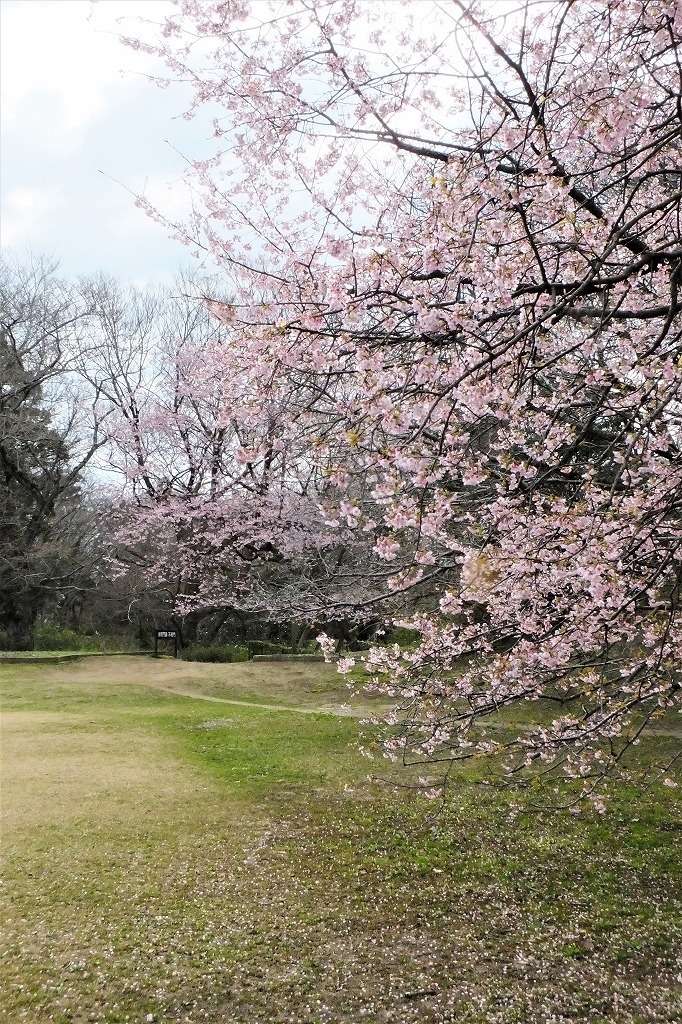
{"x":266,"y":647}
{"x":403,"y":637}
{"x":224,"y":653}
{"x":49,"y":637}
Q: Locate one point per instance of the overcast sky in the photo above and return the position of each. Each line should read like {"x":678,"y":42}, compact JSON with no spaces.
{"x":81,"y":129}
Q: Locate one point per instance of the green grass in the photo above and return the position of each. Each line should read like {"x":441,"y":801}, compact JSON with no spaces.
{"x":259,"y":753}
{"x":214,"y":863}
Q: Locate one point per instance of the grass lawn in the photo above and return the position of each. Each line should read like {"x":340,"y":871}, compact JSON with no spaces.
{"x":171,"y":855}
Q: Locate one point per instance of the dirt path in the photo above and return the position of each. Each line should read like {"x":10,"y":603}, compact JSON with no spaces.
{"x":340,"y":710}
{"x":307,"y":689}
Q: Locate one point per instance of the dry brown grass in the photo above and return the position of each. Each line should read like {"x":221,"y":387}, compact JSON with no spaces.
{"x":295,"y":685}
{"x":58,"y":768}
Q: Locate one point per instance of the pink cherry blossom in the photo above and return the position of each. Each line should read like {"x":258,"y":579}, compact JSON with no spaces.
{"x":455,"y":268}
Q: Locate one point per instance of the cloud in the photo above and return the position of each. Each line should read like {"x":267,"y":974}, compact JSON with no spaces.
{"x":83,"y":133}
{"x":60,"y":61}
{"x":24,"y":211}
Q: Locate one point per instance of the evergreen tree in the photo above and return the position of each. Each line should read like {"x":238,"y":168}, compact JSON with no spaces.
{"x":42,"y":446}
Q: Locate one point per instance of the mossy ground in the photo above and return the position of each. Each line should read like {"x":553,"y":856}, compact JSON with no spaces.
{"x":181,"y":860}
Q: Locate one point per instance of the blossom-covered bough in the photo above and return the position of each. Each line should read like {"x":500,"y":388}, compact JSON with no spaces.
{"x":465,"y":219}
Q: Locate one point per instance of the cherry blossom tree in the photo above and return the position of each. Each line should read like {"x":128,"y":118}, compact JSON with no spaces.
{"x":217,"y":514}
{"x":458,"y":223}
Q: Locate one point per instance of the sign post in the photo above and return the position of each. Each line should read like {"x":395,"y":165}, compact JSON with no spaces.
{"x":166,"y":634}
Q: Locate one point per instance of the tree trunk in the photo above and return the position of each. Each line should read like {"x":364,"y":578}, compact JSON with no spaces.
{"x":299,"y":635}
{"x":19,"y":629}
{"x":187,"y":627}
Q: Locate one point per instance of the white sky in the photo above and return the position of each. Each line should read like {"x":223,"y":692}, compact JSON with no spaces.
{"x":77,"y":111}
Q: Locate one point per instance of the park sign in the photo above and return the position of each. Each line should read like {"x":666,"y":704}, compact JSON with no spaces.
{"x":166,"y":634}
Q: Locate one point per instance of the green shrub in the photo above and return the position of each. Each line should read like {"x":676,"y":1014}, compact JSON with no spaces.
{"x":401,"y":636}
{"x":266,"y":647}
{"x":50,"y":637}
{"x":215,"y":652}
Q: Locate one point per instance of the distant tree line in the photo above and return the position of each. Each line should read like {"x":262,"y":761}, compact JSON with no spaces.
{"x":134,"y":490}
